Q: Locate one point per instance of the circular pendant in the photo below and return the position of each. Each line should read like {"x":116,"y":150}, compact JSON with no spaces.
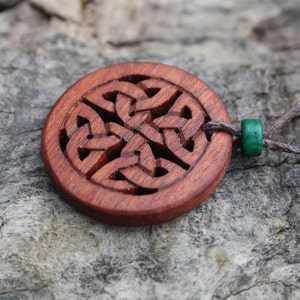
{"x":125,"y":144}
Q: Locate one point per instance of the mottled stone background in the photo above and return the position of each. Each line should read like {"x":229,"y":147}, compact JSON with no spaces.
{"x":242,"y":243}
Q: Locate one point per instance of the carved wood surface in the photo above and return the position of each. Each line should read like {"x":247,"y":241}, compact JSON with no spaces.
{"x":125,"y":144}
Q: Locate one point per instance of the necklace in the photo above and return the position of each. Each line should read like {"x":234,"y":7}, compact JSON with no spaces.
{"x":143,"y":143}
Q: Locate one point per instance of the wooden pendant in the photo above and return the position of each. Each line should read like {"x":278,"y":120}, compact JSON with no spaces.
{"x":125,"y":144}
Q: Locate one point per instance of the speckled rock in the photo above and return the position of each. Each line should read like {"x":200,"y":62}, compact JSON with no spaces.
{"x":8,"y":3}
{"x":242,"y":243}
{"x":66,"y":9}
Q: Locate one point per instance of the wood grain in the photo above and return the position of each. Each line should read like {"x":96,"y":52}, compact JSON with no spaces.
{"x":125,"y":144}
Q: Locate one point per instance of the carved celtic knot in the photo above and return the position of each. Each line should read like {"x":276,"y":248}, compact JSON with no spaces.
{"x":134,"y":135}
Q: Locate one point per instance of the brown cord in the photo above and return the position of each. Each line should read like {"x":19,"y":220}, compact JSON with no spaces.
{"x":267,"y":143}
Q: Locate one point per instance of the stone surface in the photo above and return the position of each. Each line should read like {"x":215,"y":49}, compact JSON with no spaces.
{"x":66,"y":9}
{"x":8,"y":3}
{"x":242,"y":243}
{"x":14,"y":28}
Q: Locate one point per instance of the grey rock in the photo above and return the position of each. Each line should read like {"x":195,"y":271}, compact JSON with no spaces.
{"x":241,"y":243}
{"x":66,"y":9}
{"x":13,"y":28}
{"x":8,"y":3}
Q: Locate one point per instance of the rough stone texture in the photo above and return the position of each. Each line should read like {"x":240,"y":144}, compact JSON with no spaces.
{"x":242,"y":243}
{"x":8,"y":3}
{"x":66,"y":9}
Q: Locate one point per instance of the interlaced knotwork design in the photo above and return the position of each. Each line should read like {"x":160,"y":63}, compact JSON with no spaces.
{"x":134,"y":135}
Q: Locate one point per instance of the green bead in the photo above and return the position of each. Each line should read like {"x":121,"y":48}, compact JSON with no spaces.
{"x":252,"y":137}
